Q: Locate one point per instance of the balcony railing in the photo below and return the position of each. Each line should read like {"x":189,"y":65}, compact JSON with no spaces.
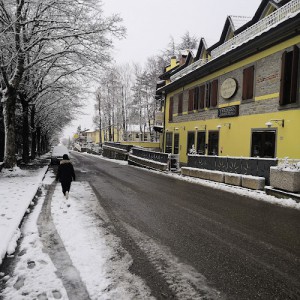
{"x":289,"y":10}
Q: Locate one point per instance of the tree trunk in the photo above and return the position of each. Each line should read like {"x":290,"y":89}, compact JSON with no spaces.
{"x":2,"y":138}
{"x":38,"y":140}
{"x":33,"y":134}
{"x":25,"y":124}
{"x":9,"y":107}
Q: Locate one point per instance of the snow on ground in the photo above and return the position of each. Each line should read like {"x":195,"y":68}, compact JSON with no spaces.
{"x":94,"y":250}
{"x":34,"y":276}
{"x":17,"y":190}
{"x":90,"y":242}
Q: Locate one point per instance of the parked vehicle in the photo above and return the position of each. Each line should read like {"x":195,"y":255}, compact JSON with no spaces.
{"x":57,"y":154}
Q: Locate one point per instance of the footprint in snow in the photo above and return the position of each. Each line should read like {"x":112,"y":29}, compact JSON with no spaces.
{"x":42,"y":296}
{"x":56,"y":294}
{"x":22,"y":252}
{"x":19,"y":283}
{"x":30,"y":264}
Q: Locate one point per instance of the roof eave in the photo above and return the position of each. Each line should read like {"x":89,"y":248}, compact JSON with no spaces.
{"x":275,"y":35}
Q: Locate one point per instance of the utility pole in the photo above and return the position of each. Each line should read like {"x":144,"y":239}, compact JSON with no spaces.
{"x":100,"y":118}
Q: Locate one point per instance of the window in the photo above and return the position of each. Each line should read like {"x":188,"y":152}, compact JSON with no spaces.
{"x":213,"y":143}
{"x":207,"y":94}
{"x":191,"y":100}
{"x":196,"y":98}
{"x":202,"y":96}
{"x":214,"y":93}
{"x":190,"y":142}
{"x":169,"y":141}
{"x":263,"y":143}
{"x":171,"y":110}
{"x":248,"y":83}
{"x":201,"y":142}
{"x":289,"y":76}
{"x":180,"y":103}
{"x":176,"y":143}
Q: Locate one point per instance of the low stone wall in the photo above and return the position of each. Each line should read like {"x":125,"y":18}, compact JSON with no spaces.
{"x":253,"y":182}
{"x":114,"y":153}
{"x":146,"y":163}
{"x":250,"y":182}
{"x":233,"y":179}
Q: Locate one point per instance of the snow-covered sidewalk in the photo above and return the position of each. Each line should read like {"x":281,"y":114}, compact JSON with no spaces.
{"x":95,"y":252}
{"x":17,"y":190}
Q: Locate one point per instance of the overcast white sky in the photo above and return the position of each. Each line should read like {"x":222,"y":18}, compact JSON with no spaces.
{"x":151,"y":23}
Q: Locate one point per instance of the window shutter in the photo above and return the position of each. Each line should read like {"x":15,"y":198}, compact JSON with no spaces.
{"x":295,"y":65}
{"x":196,"y":98}
{"x":248,"y":83}
{"x":171,"y":110}
{"x":208,"y":94}
{"x":202,"y":96}
{"x":282,"y":78}
{"x":191,"y":100}
{"x":180,"y":103}
{"x":214,"y":93}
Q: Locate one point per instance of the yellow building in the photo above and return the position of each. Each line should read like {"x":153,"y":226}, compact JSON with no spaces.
{"x":239,"y":97}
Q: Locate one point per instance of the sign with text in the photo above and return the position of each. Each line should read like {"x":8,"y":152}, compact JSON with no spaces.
{"x":228,"y":88}
{"x":228,"y":111}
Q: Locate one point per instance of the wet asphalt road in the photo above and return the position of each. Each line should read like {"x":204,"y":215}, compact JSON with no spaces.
{"x":246,"y":249}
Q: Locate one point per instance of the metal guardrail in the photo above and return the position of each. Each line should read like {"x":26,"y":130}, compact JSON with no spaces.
{"x":151,"y":155}
{"x":118,"y":145}
{"x":272,"y":20}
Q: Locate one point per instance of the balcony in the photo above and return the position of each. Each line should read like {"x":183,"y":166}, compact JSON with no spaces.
{"x":287,"y":11}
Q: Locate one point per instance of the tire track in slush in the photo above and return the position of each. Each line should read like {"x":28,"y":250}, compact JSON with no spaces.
{"x":183,"y":280}
{"x":53,"y":245}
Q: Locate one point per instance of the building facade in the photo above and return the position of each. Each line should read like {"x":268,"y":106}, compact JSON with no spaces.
{"x":239,"y":97}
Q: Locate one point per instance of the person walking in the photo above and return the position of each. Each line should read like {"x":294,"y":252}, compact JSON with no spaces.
{"x":65,"y":174}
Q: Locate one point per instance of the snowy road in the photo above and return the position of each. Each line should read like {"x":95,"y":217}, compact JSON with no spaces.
{"x":188,"y":241}
{"x":131,"y":233}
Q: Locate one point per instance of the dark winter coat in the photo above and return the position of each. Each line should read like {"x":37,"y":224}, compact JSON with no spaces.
{"x":65,"y":171}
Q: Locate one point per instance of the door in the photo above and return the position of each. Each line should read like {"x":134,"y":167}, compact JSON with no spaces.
{"x":169,"y":142}
{"x":176,"y":143}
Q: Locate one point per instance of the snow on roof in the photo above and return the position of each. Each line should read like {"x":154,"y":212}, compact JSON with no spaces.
{"x":238,"y":21}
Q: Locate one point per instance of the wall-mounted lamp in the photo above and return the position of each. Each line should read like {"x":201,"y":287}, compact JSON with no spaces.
{"x":225,"y":124}
{"x":176,"y":128}
{"x":280,"y":122}
{"x":201,"y":126}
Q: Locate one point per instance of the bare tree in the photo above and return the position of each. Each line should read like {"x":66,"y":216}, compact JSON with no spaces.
{"x":36,"y":33}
